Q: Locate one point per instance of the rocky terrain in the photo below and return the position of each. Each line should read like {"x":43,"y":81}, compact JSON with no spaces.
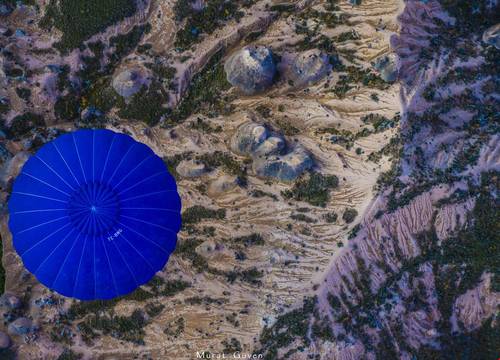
{"x":337,"y":163}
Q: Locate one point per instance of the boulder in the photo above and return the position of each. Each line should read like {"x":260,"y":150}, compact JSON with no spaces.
{"x":190,"y":168}
{"x":387,"y":68}
{"x":284,"y":168}
{"x":222,"y":184}
{"x":248,"y":138}
{"x":251,"y":69}
{"x":273,"y":145}
{"x":268,"y":152}
{"x":4,"y":340}
{"x":21,"y":326}
{"x":129,"y":82}
{"x":90,"y":113}
{"x":305,"y":68}
{"x":10,"y":301}
{"x":492,"y":36}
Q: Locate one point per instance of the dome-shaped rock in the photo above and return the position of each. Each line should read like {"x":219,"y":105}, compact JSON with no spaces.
{"x":21,"y":326}
{"x":273,"y":145}
{"x":285,"y":168}
{"x":251,"y":69}
{"x":248,"y":138}
{"x":305,"y":68}
{"x":222,"y":184}
{"x":128,"y":82}
{"x":10,"y":301}
{"x":190,"y":168}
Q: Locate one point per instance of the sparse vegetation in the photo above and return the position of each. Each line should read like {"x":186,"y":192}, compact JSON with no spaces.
{"x":330,"y":217}
{"x":349,"y":215}
{"x":354,"y":231}
{"x":127,"y":328}
{"x":174,"y":160}
{"x":204,"y":21}
{"x":205,"y":93}
{"x":205,"y":126}
{"x":198,"y":213}
{"x":315,"y":189}
{"x":249,"y":240}
{"x":287,"y":128}
{"x":22,"y":124}
{"x":353,"y":75}
{"x":79,"y":20}
{"x":231,"y":346}
{"x":293,"y":324}
{"x":96,"y":318}
{"x":303,"y":218}
{"x":187,"y":250}
{"x":148,"y":105}
{"x":260,"y":193}
{"x":252,"y":276}
{"x":175,"y":328}
{"x":227,"y":162}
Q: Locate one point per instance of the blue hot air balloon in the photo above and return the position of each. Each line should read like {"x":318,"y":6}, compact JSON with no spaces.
{"x":94,"y":214}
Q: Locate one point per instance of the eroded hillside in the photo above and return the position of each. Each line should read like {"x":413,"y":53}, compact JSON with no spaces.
{"x":420,"y":278}
{"x":281,"y":123}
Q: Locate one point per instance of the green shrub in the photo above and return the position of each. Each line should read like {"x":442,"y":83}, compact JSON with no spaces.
{"x":197,"y":213}
{"x":148,"y":105}
{"x":315,"y":190}
{"x":22,"y":124}
{"x":204,"y":126}
{"x":349,"y":215}
{"x":249,"y":240}
{"x":123,"y":44}
{"x":353,"y":75}
{"x":227,"y":162}
{"x":172,"y":287}
{"x":354,"y":231}
{"x":205,"y":92}
{"x":200,"y":264}
{"x":206,"y":21}
{"x":232,"y":346}
{"x":302,"y":217}
{"x":79,"y":20}
{"x":127,"y":328}
{"x":330,"y":217}
{"x":67,"y":107}
{"x":251,"y":276}
{"x":154,"y":310}
{"x":175,"y":328}
{"x":260,"y":193}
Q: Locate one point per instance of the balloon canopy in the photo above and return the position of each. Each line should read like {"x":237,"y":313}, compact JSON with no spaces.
{"x":94,"y":214}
